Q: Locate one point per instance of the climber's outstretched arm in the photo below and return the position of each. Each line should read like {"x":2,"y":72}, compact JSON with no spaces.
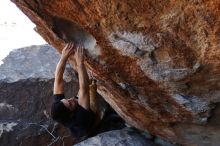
{"x":84,"y":100}
{"x":58,"y":82}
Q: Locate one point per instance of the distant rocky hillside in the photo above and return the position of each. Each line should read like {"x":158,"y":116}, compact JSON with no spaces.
{"x":30,"y":62}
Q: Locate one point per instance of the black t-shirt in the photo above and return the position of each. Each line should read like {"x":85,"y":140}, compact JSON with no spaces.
{"x":82,"y":120}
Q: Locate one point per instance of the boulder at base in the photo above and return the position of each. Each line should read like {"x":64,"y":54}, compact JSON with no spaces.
{"x":123,"y":137}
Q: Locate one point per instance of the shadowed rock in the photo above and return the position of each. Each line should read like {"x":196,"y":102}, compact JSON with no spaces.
{"x":124,"y":137}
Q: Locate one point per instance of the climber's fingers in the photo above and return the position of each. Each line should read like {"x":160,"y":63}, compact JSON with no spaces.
{"x":81,"y":51}
{"x":68,"y":50}
{"x":71,"y":47}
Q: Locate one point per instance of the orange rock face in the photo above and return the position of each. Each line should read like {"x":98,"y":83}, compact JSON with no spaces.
{"x":156,"y":61}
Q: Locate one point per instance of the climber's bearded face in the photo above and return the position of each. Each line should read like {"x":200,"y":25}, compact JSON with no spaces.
{"x":70,"y":103}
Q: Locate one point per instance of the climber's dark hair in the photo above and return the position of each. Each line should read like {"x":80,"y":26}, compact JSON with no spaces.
{"x":60,"y":113}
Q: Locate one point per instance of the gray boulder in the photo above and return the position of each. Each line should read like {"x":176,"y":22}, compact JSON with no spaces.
{"x":123,"y":137}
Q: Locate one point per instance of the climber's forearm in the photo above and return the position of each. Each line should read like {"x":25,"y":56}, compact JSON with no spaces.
{"x":58,"y":82}
{"x":83,"y":78}
{"x":84,"y":99}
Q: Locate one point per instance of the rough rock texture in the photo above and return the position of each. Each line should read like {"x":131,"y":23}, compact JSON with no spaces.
{"x":123,"y":137}
{"x":26,"y":83}
{"x":156,"y":61}
{"x":128,"y":136}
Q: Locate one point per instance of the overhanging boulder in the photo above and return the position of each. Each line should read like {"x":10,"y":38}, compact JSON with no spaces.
{"x":156,"y":62}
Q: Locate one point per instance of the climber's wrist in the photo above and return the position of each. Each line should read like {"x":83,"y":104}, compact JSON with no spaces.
{"x":80,"y":64}
{"x":64,"y":58}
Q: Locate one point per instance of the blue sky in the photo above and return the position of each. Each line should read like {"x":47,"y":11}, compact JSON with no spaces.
{"x":16,"y":30}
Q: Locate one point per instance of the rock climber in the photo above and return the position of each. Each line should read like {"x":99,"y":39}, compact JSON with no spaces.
{"x":74,"y":113}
